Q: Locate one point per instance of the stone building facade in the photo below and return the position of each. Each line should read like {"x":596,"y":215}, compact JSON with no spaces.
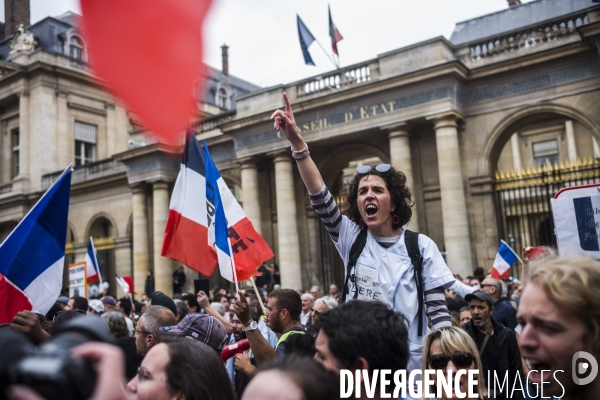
{"x":514,"y":90}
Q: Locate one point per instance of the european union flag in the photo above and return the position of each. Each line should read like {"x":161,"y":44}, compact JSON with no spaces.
{"x":306,"y":39}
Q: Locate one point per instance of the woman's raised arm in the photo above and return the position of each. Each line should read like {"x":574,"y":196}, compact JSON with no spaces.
{"x":308,"y":170}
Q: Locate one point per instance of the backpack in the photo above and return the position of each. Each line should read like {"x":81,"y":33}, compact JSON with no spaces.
{"x":411,"y":241}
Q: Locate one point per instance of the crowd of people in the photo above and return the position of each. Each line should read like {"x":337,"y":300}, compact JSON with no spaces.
{"x":400,"y":309}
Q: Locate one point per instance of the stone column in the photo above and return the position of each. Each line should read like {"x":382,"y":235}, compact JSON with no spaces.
{"x":250,"y":199}
{"x":516,"y":153}
{"x":287,"y":227}
{"x":141,"y":259}
{"x":454,"y":208}
{"x":111,"y":129}
{"x":24,"y":143}
{"x":160,"y":210}
{"x":571,"y":146}
{"x":401,"y":160}
{"x":65,"y":141}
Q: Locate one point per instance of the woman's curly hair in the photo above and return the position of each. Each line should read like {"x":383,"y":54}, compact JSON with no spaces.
{"x":396,"y":185}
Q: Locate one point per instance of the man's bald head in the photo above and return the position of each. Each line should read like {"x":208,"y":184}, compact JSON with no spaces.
{"x":493,"y":287}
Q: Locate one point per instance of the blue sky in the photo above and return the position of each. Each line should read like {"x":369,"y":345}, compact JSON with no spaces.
{"x":263,"y":37}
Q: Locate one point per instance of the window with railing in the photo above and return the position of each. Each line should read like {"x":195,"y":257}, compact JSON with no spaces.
{"x":15,"y":149}
{"x":85,"y":143}
{"x":76,"y":48}
{"x":545,"y":152}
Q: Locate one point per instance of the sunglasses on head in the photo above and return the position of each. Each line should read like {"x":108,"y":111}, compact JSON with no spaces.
{"x":364,"y":169}
{"x":460,"y":359}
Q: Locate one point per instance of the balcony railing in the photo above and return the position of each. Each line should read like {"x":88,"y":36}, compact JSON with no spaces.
{"x":334,"y":80}
{"x":86,"y":172}
{"x":80,"y":64}
{"x":210,"y":123}
{"x":527,"y":38}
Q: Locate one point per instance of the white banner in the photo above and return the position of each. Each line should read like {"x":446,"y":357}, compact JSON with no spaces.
{"x":577,"y":224}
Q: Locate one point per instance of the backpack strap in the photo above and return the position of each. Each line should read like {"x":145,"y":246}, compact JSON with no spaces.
{"x":355,"y":251}
{"x":411,"y":240}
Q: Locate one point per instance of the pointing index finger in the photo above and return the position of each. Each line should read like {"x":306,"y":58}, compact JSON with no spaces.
{"x":288,"y":107}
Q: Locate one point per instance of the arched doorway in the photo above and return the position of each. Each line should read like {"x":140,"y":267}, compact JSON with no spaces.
{"x":103,"y":232}
{"x":536,"y":155}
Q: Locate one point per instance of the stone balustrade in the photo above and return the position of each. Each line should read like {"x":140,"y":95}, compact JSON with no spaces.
{"x":532,"y":37}
{"x":335,"y":80}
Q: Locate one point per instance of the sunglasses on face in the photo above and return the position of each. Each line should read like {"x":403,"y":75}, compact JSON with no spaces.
{"x":317,"y":313}
{"x":460,"y":359}
{"x":364,"y":169}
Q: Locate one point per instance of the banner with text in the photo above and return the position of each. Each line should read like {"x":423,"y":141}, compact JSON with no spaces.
{"x":577,"y":225}
{"x":78,"y":280}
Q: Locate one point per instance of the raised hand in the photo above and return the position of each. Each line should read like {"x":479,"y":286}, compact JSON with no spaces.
{"x":284,"y":120}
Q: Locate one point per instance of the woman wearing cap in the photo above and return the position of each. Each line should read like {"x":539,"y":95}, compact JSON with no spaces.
{"x":379,"y":202}
{"x":453,"y":350}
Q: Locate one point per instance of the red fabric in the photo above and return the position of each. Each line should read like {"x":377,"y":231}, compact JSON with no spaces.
{"x":150,"y":54}
{"x":12,"y":301}
{"x":495,"y":274}
{"x":129,"y":280}
{"x":186,"y":241}
{"x":250,"y":250}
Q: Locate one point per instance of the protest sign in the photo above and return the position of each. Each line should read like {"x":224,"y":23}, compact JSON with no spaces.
{"x":576,"y":213}
{"x":78,"y":280}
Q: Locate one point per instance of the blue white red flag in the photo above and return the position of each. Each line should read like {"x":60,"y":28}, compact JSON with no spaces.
{"x":504,"y":259}
{"x":124,"y":285}
{"x":192,"y":214}
{"x":92,"y":267}
{"x":306,"y":39}
{"x":33,"y":255}
{"x":334,"y":33}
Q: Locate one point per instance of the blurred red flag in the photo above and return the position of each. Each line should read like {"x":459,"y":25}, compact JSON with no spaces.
{"x":150,"y":54}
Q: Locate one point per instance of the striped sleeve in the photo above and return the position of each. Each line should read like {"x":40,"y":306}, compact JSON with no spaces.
{"x":328,"y":211}
{"x":436,"y":308}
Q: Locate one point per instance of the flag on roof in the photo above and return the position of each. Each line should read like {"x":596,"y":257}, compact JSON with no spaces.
{"x":33,"y":255}
{"x":92,"y":267}
{"x":505,"y":257}
{"x":334,"y":33}
{"x":306,"y":39}
{"x":193,"y":211}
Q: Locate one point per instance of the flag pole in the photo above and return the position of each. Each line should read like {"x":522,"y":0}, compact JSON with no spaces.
{"x":232,"y":262}
{"x":262,"y":306}
{"x":327,"y":54}
{"x":97,"y":263}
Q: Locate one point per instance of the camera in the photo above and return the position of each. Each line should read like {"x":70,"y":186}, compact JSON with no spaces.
{"x":51,"y":370}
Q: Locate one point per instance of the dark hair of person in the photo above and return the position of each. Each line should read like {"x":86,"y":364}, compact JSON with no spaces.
{"x":138,"y":307}
{"x":80,"y":303}
{"x":182,"y":310}
{"x":302,"y":345}
{"x":288,"y":299}
{"x":315,"y":382}
{"x":197,"y":370}
{"x":65,"y":315}
{"x":367,"y":329}
{"x":219,"y":296}
{"x":465,"y":308}
{"x":125,"y":304}
{"x":191,"y":301}
{"x":395,"y":182}
{"x":52,"y":312}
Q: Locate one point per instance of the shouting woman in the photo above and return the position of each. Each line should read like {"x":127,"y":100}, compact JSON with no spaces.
{"x":383,"y":262}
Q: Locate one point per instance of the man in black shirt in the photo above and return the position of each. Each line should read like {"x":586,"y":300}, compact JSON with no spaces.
{"x":178,"y":280}
{"x":498,"y":348}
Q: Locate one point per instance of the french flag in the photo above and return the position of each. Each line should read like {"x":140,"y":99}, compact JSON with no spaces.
{"x":192,"y":212}
{"x":505,"y":257}
{"x":33,"y":255}
{"x":334,"y":33}
{"x":92,"y":267}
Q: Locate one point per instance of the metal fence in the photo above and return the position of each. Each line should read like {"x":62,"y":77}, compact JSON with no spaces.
{"x":522,"y":199}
